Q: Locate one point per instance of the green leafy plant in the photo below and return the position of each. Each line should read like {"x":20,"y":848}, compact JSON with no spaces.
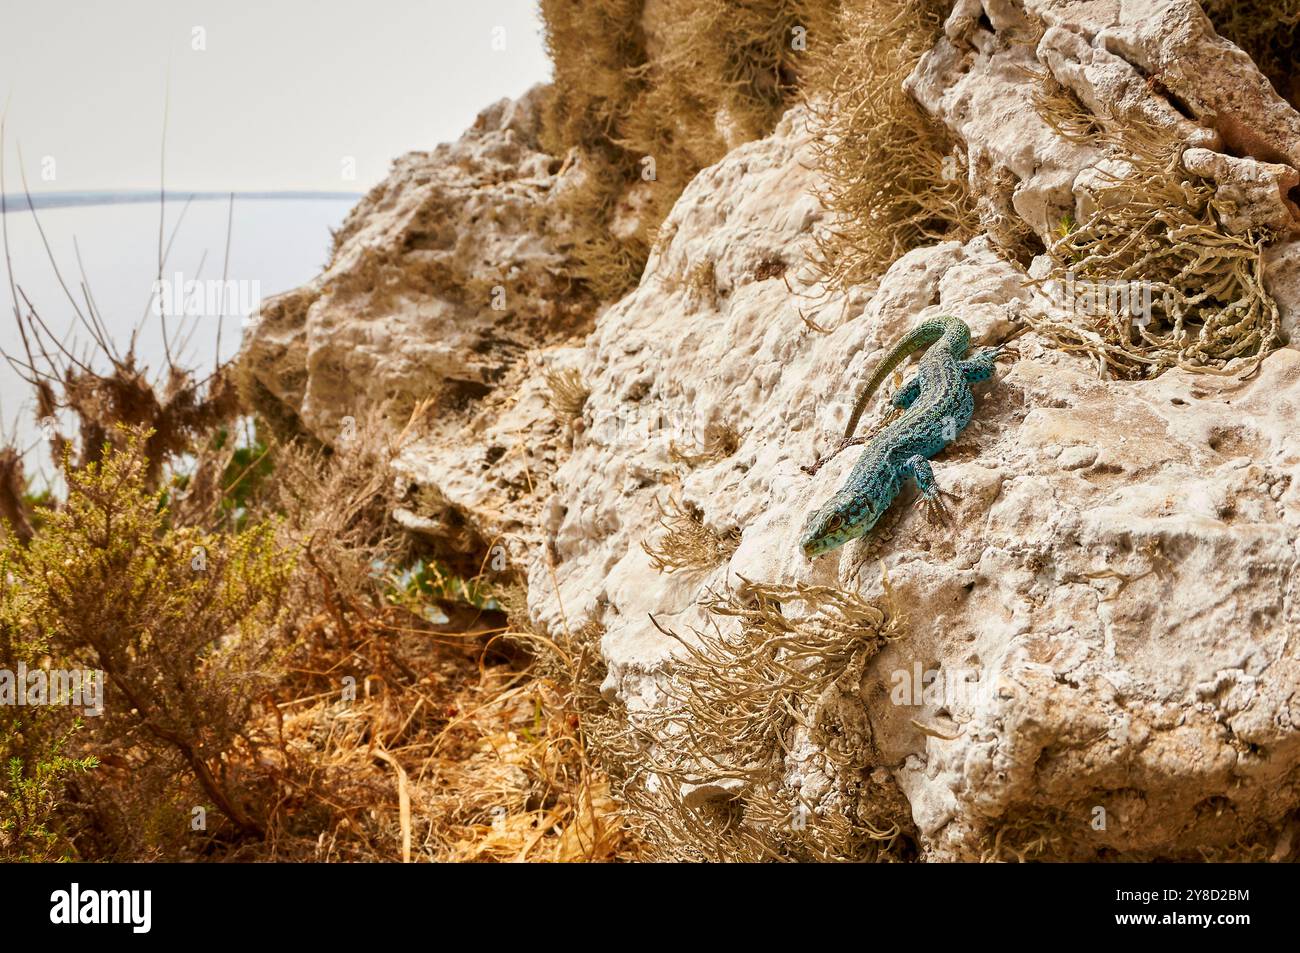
{"x":179,"y":620}
{"x":30,"y":791}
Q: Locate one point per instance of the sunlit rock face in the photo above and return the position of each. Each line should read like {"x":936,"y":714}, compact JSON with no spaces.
{"x":1101,"y":651}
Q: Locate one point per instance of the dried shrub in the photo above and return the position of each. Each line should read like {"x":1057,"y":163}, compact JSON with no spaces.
{"x":1158,"y":227}
{"x":714,"y":75}
{"x":607,"y":263}
{"x":773,"y":679}
{"x":687,"y":545}
{"x":175,"y":411}
{"x":1028,"y":837}
{"x":368,"y":678}
{"x":1062,"y":110}
{"x":568,"y":394}
{"x":14,"y":516}
{"x":176,"y":415}
{"x":893,"y":178}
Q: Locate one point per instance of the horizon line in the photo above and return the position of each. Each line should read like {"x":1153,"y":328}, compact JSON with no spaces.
{"x":72,"y":198}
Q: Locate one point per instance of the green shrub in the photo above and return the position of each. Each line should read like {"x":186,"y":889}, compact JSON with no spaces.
{"x":33,"y":765}
{"x":180,"y":621}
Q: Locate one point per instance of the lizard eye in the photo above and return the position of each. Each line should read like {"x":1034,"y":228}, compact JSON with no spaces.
{"x":834,"y":523}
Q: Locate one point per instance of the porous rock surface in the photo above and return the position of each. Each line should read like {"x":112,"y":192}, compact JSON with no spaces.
{"x":439,"y":281}
{"x":1118,"y":589}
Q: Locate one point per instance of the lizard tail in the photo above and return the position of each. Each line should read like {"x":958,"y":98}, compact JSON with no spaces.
{"x":923,"y":335}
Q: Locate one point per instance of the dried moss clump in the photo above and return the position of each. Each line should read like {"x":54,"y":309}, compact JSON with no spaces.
{"x":772,"y":680}
{"x":894,"y":178}
{"x":1154,"y":279}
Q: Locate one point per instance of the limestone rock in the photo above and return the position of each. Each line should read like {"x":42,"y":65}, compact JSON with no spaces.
{"x":1258,"y":192}
{"x":439,"y":282}
{"x":1104,"y":672}
{"x":1099,"y":657}
{"x":1174,"y":43}
{"x":1282,"y":277}
{"x":1157,"y":62}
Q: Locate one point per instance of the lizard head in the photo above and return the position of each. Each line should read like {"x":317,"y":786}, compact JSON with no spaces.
{"x":843,"y":518}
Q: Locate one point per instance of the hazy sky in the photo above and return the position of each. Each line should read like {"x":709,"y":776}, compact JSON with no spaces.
{"x":284,"y":92}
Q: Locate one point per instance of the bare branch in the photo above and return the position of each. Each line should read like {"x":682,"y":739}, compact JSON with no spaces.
{"x":9,"y":265}
{"x":225,"y":271}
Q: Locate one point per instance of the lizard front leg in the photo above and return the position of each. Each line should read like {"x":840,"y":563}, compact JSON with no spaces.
{"x":982,"y":365}
{"x":844,"y":444}
{"x":919,"y":469}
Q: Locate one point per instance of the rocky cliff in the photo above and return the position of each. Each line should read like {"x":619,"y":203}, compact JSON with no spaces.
{"x":1097,"y":657}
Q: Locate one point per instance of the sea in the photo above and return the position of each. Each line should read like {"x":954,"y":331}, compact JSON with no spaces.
{"x":105,"y":247}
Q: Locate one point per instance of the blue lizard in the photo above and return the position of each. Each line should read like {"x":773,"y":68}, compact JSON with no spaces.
{"x":935,"y":405}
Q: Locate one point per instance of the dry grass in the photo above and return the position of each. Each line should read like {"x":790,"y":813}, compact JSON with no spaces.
{"x":469,"y":721}
{"x":894,"y":179}
{"x":720,"y":444}
{"x":702,"y":286}
{"x":716,"y":74}
{"x":687,"y":545}
{"x":568,"y":394}
{"x":778,"y":665}
{"x":1158,"y":227}
{"x":491,"y":759}
{"x":594,"y":741}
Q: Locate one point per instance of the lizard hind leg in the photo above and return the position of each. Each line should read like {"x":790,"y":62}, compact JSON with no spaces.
{"x":932,"y":498}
